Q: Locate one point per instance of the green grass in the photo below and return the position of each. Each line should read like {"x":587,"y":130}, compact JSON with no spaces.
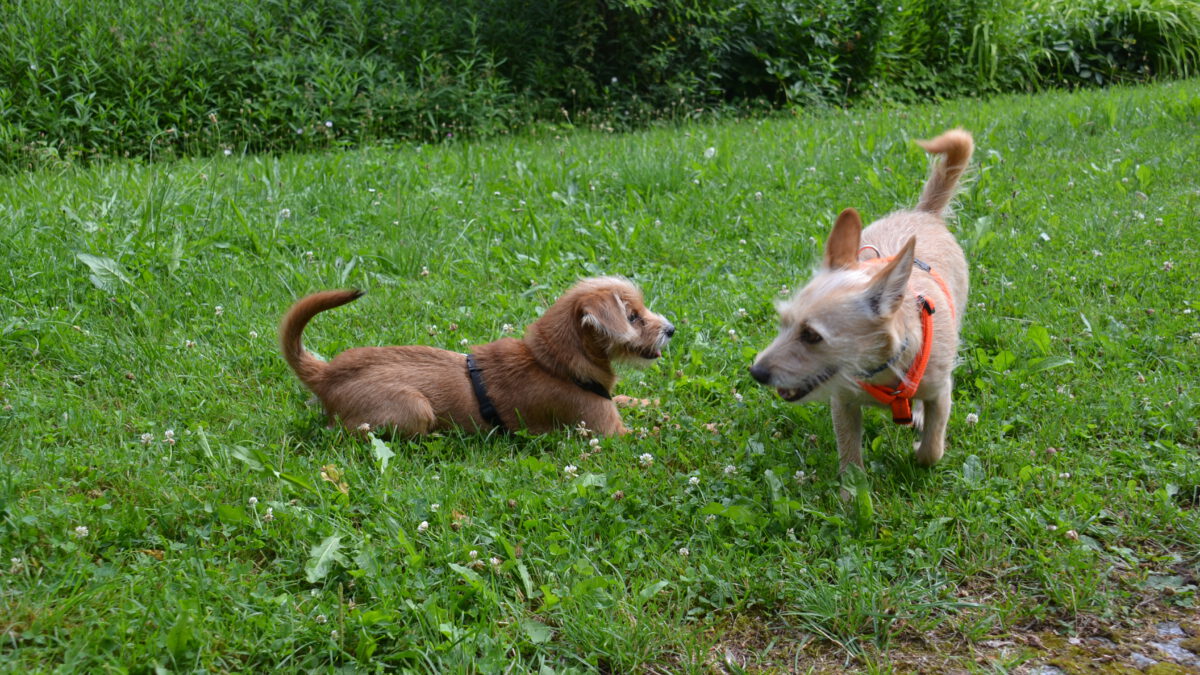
{"x":1080,"y":223}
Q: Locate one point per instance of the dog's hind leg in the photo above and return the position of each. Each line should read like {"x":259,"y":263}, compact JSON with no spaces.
{"x":933,"y":434}
{"x":403,"y":411}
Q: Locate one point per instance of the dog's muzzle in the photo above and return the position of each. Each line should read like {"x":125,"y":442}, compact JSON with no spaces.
{"x":790,"y":394}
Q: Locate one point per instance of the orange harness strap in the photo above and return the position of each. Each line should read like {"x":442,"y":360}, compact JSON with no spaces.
{"x":899,"y":396}
{"x":945,"y":289}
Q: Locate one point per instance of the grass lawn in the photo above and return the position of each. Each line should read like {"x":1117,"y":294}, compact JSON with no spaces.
{"x":227,"y":529}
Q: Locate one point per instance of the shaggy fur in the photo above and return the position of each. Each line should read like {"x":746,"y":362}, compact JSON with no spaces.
{"x":416,"y":390}
{"x":857,"y":321}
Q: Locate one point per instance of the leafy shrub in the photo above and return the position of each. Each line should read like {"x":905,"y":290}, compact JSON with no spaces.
{"x":1103,"y":41}
{"x":116,"y":78}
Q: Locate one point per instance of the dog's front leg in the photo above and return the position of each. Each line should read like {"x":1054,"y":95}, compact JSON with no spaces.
{"x":933,"y":434}
{"x":606,"y":421}
{"x":847,"y":425}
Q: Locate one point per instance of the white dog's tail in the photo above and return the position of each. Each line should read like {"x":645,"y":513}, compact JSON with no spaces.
{"x":957,"y":146}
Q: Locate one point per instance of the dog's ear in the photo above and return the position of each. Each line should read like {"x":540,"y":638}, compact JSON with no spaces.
{"x":889,"y":286}
{"x":606,"y":314}
{"x":842,"y":248}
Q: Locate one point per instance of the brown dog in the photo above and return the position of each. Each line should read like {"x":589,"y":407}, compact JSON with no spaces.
{"x":879,"y":322}
{"x":559,"y":375}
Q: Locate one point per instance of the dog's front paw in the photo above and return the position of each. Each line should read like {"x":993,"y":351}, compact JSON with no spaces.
{"x":918,"y":414}
{"x":624,"y":401}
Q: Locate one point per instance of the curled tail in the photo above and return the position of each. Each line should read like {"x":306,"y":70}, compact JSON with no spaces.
{"x":308,"y":367}
{"x":957,"y":146}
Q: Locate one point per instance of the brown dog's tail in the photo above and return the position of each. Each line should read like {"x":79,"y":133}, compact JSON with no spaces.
{"x":308,"y":367}
{"x":957,"y":146}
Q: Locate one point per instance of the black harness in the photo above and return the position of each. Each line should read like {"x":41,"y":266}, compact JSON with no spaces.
{"x":487,"y":409}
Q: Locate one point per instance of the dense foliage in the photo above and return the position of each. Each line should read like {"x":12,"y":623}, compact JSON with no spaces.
{"x":104,"y":78}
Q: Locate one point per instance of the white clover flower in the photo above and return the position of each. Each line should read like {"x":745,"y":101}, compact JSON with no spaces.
{"x":328,"y":124}
{"x":269,"y":515}
{"x":506,"y":328}
{"x":253,"y":501}
{"x":737,"y":397}
{"x":1168,"y":265}
{"x":218,"y":310}
{"x":190,"y":344}
{"x":434,"y":507}
{"x":694,"y":480}
{"x":364,"y":427}
{"x":423,"y":526}
{"x":742,"y":312}
{"x":730,"y":469}
{"x":594,"y":442}
{"x":308,"y":255}
{"x":972,"y":419}
{"x":496,"y":562}
{"x":1072,"y":535}
{"x":424,"y":271}
{"x":571,"y":470}
{"x":169,"y":435}
{"x":710,"y":517}
{"x":228,"y":152}
{"x":333,"y":634}
{"x":1064,"y":475}
{"x":81,"y":531}
{"x":147,"y":438}
{"x":320,"y":618}
{"x":800,"y":476}
{"x":473,"y":555}
{"x":646,"y":459}
{"x":732,"y":333}
{"x":464,"y":342}
{"x":758,"y":196}
{"x":710,"y":153}
{"x":253,"y":334}
{"x":1052,"y":528}
{"x":684,"y":552}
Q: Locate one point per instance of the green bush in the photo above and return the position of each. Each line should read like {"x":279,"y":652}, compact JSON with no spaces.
{"x":1104,"y":41}
{"x":109,"y":78}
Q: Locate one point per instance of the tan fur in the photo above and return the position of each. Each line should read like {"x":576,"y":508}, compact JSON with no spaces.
{"x":416,"y":390}
{"x":855,"y":315}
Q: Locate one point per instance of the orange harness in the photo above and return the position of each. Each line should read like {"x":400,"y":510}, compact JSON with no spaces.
{"x":899,"y":396}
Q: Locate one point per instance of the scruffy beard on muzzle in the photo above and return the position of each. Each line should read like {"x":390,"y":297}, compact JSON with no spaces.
{"x":642,"y":356}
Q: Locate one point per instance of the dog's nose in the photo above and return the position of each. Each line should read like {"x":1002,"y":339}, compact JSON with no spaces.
{"x":669,"y":330}
{"x":759,"y":373}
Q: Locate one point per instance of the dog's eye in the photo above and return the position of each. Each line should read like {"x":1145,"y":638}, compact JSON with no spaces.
{"x":809,"y":336}
{"x":634,"y":318}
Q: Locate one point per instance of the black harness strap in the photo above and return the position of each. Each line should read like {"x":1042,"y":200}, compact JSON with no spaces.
{"x":487,"y":409}
{"x":594,"y":387}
